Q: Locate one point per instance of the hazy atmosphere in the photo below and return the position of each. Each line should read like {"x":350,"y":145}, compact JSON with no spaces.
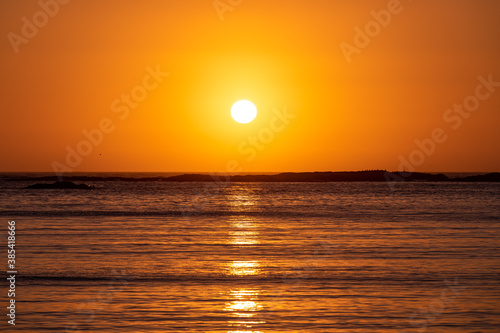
{"x":250,"y":166}
{"x":360,"y":86}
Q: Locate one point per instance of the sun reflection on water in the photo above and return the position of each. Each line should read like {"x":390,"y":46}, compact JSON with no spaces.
{"x":244,"y":308}
{"x":243,"y":304}
{"x":240,"y":200}
{"x":244,"y":237}
{"x":244,"y":232}
{"x":244,"y":268}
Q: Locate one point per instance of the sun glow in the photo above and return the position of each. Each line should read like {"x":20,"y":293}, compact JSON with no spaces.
{"x":243,"y":111}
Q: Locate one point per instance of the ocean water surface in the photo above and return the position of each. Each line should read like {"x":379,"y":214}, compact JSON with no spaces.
{"x":152,"y":256}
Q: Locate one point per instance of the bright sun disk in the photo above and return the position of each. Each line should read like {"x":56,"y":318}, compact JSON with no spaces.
{"x":243,"y":111}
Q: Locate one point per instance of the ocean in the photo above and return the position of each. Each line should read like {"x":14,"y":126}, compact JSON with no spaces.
{"x":152,"y":256}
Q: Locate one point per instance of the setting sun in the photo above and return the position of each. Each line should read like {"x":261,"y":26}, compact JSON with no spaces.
{"x":230,"y":166}
{"x":243,"y":111}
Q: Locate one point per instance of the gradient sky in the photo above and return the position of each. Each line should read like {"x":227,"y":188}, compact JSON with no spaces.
{"x":366,"y":113}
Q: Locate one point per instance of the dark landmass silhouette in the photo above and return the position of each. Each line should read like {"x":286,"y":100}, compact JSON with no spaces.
{"x":354,"y":176}
{"x":348,"y":176}
{"x":490,"y":177}
{"x":61,"y":185}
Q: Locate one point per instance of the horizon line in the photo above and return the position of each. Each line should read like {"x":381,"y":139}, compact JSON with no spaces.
{"x":248,"y":172}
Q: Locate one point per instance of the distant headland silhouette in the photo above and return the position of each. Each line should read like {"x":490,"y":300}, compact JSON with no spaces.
{"x":345,"y":176}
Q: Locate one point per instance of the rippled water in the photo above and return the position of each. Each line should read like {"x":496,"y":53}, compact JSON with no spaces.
{"x":256,"y":257}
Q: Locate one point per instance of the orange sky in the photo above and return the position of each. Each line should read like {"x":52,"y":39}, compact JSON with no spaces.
{"x":347,"y":111}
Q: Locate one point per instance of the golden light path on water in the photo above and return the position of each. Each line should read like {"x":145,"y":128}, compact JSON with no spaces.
{"x":244,"y":305}
{"x":244,"y":231}
{"x":242,"y":268}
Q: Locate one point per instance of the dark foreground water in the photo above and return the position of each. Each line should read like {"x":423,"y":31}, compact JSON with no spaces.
{"x":255,"y":257}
